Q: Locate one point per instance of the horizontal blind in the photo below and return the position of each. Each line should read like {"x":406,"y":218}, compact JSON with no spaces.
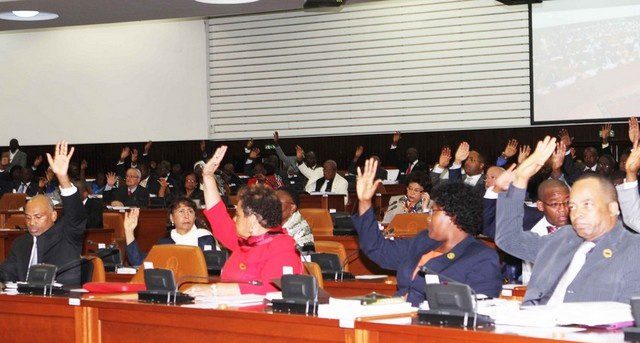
{"x":370,"y":68}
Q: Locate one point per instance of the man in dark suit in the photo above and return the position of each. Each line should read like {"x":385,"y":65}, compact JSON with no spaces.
{"x":130,"y":194}
{"x":473,"y":166}
{"x":93,"y":207}
{"x":26,"y":184}
{"x":17,"y":157}
{"x":50,"y":241}
{"x":410,"y":163}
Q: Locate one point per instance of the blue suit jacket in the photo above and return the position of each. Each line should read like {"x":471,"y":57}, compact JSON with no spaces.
{"x":473,"y":262}
{"x":531,"y":217}
{"x":136,"y":257}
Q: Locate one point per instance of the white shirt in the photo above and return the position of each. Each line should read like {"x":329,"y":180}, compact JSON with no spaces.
{"x":12,"y":155}
{"x":472,"y":180}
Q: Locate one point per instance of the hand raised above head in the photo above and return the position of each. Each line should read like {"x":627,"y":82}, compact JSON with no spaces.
{"x":565,"y":138}
{"x":126,"y":151}
{"x":396,"y":137}
{"x":530,"y":166}
{"x":131,"y":220}
{"x":358,"y":153}
{"x":525,"y":151}
{"x":366,"y":184}
{"x":112,"y":178}
{"x":633,"y":163}
{"x":276,"y":137}
{"x":511,"y":149}
{"x":59,"y":162}
{"x":214,"y":163}
{"x":445,"y":157}
{"x":634,"y":131}
{"x":502,"y":182}
{"x":462,"y":153}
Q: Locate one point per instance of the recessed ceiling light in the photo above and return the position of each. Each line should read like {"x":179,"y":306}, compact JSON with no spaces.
{"x":27,"y":15}
{"x":226,"y":2}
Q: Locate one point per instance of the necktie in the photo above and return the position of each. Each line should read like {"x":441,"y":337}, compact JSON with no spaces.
{"x":324,"y":186}
{"x":22,"y":188}
{"x":129,"y":192}
{"x":34,"y":253}
{"x":551,"y":229}
{"x":574,"y":268}
{"x":409,"y":167}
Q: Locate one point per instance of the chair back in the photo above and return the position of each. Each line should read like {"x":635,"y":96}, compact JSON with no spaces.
{"x":12,"y":201}
{"x":16,"y":220}
{"x":331,"y":247}
{"x":313,"y":269}
{"x":115,"y":221}
{"x":92,"y":270}
{"x":408,"y":224}
{"x":186,"y":262}
{"x":319,"y":220}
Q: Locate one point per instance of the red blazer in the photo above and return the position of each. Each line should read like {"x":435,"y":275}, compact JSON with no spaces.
{"x":258,"y":262}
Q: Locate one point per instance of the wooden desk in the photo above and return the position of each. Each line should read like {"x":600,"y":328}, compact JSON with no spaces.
{"x":371,"y":331}
{"x":359,"y":263}
{"x":325,"y":201}
{"x":351,"y":288}
{"x":25,"y":318}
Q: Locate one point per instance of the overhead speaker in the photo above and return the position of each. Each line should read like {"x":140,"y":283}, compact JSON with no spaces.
{"x":520,"y":2}
{"x":323,"y":4}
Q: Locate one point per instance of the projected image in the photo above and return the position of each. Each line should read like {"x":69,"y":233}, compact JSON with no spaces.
{"x":586,"y":60}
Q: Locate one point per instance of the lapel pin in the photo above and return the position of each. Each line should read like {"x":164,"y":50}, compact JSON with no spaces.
{"x":451,"y":256}
{"x":607,"y":253}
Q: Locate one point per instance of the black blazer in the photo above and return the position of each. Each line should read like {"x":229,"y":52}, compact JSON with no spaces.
{"x":60,"y":245}
{"x":139,"y":198}
{"x":93,"y":209}
{"x":32,"y":189}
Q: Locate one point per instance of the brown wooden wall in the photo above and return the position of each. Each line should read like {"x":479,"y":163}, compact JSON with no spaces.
{"x":341,"y":148}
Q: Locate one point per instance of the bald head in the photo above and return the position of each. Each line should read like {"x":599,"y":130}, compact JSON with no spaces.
{"x":492,"y":174}
{"x":39,"y":215}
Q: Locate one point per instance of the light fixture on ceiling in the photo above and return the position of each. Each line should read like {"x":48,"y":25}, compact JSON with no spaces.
{"x":24,"y":15}
{"x":225,"y":2}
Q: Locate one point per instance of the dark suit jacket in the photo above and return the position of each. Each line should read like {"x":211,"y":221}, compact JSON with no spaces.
{"x":139,"y":198}
{"x":32,"y":189}
{"x":471,"y":261}
{"x":93,"y":208}
{"x":60,"y":245}
{"x":381,"y":173}
{"x":531,"y":217}
{"x":393,"y":157}
{"x":20,"y":159}
{"x":455,"y":175}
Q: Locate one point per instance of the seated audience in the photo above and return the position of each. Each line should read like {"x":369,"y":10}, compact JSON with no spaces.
{"x":191,"y":190}
{"x":329,"y":181}
{"x":473,"y":167}
{"x":17,"y":157}
{"x":292,"y":221}
{"x":416,"y":200}
{"x":448,"y":246}
{"x":182,"y":215}
{"x":50,"y":241}
{"x":260,"y":247}
{"x":308,"y":166}
{"x":381,"y":173}
{"x":407,"y":165}
{"x":93,"y":207}
{"x":26,"y":185}
{"x":593,"y":259}
{"x":130,"y":194}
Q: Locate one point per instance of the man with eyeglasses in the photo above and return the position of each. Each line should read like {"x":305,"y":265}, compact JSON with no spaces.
{"x":132,"y":194}
{"x":593,"y":259}
{"x":50,"y":241}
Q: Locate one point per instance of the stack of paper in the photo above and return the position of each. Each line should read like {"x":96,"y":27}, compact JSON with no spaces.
{"x":347,"y":310}
{"x":228,"y":301}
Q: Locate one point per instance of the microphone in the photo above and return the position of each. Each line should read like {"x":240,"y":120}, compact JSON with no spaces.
{"x":80,"y":261}
{"x":346,"y":275}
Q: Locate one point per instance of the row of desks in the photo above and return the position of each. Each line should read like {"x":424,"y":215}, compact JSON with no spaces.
{"x":123,"y":319}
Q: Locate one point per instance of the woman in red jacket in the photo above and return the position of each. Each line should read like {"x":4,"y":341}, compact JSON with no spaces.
{"x":260,"y":247}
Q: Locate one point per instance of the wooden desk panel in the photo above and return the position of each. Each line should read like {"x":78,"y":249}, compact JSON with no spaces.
{"x":26,"y":318}
{"x":326,"y":201}
{"x":130,"y":321}
{"x":352,"y":288}
{"x":359,"y":263}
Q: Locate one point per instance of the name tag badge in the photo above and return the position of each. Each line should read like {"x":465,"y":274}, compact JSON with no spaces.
{"x":148,"y":265}
{"x":207,"y":248}
{"x":431,"y":279}
{"x":101,"y":246}
{"x":287,"y":270}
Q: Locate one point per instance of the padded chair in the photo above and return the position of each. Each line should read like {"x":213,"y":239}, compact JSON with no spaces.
{"x":331,"y":247}
{"x":12,"y":201}
{"x":408,"y":224}
{"x":92,"y":271}
{"x":186,"y":262}
{"x":313,"y":269}
{"x":319,"y":220}
{"x":115,"y":221}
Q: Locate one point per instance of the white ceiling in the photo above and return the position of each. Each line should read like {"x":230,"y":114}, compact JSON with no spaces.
{"x":85,"y":12}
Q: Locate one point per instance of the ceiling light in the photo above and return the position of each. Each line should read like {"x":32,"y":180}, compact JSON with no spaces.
{"x":225,"y":2}
{"x":27,"y":16}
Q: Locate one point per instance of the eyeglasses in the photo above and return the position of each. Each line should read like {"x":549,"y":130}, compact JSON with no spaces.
{"x":132,"y":177}
{"x":415,"y":190}
{"x":186,"y":212}
{"x":557,"y":204}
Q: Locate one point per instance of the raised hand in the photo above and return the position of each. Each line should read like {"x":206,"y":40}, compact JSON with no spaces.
{"x":134,"y":155}
{"x":366,"y":184}
{"x":250,"y":143}
{"x":525,"y":151}
{"x":299,"y":153}
{"x":42,"y":183}
{"x":502,"y":182}
{"x":112,"y":178}
{"x":511,"y":149}
{"x":255,"y":153}
{"x":634,"y":131}
{"x":633,"y":163}
{"x":130,"y":224}
{"x":38,"y":161}
{"x":425,"y":201}
{"x":276,"y":137}
{"x":530,"y":166}
{"x":83,"y":165}
{"x":126,"y":151}
{"x":147,"y":147}
{"x":59,"y":163}
{"x":462,"y":153}
{"x":214,"y":163}
{"x":605,"y":131}
{"x":163,"y":182}
{"x":358,"y":153}
{"x":565,"y":138}
{"x":203,"y":146}
{"x":557,"y":159}
{"x":445,"y":157}
{"x":396,"y":137}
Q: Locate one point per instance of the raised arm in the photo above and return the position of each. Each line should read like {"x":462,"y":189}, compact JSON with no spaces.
{"x":628,"y":196}
{"x":211,"y":193}
{"x":510,"y":235}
